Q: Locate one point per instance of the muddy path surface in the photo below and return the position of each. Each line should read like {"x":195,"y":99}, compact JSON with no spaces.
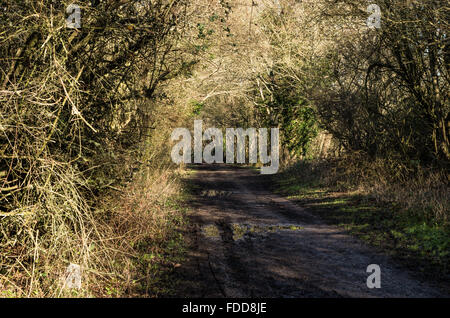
{"x":246,"y":241}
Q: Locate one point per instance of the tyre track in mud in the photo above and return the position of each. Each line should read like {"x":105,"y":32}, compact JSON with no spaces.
{"x":248,"y":242}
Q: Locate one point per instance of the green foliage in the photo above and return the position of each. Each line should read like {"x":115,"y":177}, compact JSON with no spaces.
{"x":197,"y":108}
{"x":287,"y":108}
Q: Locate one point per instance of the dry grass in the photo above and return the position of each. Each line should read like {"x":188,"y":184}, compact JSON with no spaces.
{"x":136,"y":233}
{"x":38,"y":241}
{"x":421,"y":192}
{"x":424,"y":194}
{"x":106,"y":242}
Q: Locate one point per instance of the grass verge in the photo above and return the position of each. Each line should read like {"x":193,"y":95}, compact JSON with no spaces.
{"x":403,"y":224}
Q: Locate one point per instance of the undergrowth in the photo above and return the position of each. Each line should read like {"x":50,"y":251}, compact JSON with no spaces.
{"x":126,"y":246}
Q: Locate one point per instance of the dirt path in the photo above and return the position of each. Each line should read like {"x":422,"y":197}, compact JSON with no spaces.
{"x":249,"y":242}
